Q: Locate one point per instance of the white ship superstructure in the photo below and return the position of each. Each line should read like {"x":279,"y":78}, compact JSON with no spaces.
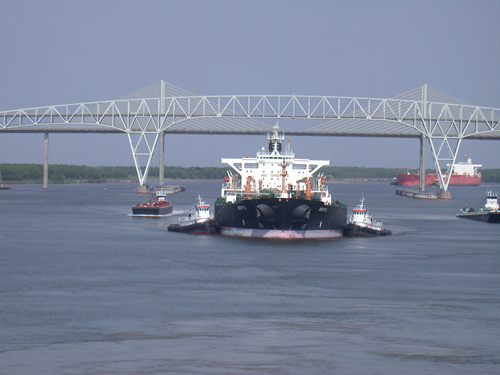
{"x":466,"y":168}
{"x":275,"y":171}
{"x":491,"y":202}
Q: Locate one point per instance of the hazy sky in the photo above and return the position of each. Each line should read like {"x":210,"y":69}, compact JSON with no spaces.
{"x":57,"y":52}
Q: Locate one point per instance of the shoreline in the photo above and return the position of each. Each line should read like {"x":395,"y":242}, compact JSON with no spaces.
{"x":178,"y":180}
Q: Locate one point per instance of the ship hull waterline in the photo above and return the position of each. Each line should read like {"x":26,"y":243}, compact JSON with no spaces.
{"x":490,"y":217}
{"x":152,"y":211}
{"x":432,"y":179}
{"x":207,"y":227}
{"x":281,"y":218}
{"x":353,"y":230}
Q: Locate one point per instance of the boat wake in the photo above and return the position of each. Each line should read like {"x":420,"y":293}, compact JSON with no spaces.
{"x":144,"y":215}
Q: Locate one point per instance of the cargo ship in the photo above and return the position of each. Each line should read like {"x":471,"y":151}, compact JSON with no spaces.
{"x":276,"y":195}
{"x":489,"y":213}
{"x":157,"y":206}
{"x":463,"y":173}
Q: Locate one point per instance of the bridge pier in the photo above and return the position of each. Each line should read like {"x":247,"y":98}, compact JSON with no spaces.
{"x":162,"y":136}
{"x":444,"y":194}
{"x":45,"y":160}
{"x":161,"y":173}
{"x":422,"y":162}
{"x":422,"y":141}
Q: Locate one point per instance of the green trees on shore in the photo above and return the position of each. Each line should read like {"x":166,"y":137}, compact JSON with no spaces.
{"x":62,"y":173}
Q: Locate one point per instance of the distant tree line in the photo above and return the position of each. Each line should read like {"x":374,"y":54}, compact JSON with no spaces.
{"x":62,"y":173}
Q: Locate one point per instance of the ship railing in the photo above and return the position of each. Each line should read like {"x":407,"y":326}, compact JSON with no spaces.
{"x":288,"y":154}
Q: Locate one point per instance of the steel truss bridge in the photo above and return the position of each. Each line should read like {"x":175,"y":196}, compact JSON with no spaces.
{"x":148,"y":114}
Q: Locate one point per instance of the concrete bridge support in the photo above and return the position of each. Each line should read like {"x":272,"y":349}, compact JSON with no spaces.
{"x":422,"y":162}
{"x":422,"y":141}
{"x":45,"y":160}
{"x":161,"y":173}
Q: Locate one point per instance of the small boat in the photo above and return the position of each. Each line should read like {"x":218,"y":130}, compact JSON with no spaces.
{"x":361,"y":223}
{"x":157,"y":206}
{"x":489,"y":213}
{"x":200,"y":220}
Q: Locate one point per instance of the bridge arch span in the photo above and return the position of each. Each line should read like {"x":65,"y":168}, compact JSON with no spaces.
{"x":147,"y":120}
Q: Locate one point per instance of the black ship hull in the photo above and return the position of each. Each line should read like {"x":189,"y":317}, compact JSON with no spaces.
{"x":152,"y":211}
{"x":281,"y":218}
{"x":490,"y":217}
{"x":353,"y":230}
{"x":207,"y":227}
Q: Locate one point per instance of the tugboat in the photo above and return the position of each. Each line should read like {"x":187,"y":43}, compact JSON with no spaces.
{"x":361,"y":223}
{"x":489,"y":213}
{"x":275,"y":195}
{"x":199,"y":221}
{"x":157,"y":206}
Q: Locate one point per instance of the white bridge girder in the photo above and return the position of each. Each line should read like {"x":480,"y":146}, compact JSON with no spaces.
{"x":445,"y":125}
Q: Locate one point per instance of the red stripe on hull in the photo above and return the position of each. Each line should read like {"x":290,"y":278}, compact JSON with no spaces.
{"x":413,"y":179}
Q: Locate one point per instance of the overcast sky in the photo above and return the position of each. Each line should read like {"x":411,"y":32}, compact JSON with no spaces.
{"x":58,"y":52}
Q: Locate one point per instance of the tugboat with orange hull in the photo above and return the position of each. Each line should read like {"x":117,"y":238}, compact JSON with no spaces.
{"x":361,"y":223}
{"x":199,"y":221}
{"x":489,"y":213}
{"x":276,"y":195}
{"x":157,"y":206}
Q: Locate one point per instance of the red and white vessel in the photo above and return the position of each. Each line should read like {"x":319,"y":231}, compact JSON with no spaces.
{"x":361,"y":223}
{"x":200,"y":220}
{"x":463,"y":173}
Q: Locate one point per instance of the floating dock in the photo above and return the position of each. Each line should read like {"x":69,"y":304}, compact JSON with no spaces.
{"x":167,"y":189}
{"x":417,"y":194}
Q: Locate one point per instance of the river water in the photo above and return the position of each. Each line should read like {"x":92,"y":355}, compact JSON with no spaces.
{"x":88,"y":289}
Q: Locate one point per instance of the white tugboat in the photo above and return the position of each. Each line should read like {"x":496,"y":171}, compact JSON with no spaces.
{"x":361,"y":223}
{"x":200,"y":220}
{"x":275,"y":195}
{"x":489,"y":213}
